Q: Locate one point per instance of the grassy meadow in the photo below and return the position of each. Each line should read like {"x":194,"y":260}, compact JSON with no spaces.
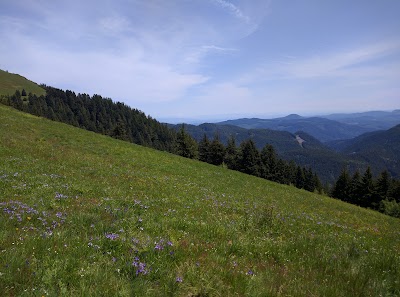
{"x":10,"y":82}
{"x":83,"y":214}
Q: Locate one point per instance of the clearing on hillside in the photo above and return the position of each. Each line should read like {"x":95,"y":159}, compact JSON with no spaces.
{"x":85,"y":214}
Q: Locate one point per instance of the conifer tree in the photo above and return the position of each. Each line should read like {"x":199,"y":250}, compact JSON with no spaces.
{"x":16,"y":100}
{"x":119,"y":131}
{"x":217,"y":151}
{"x":231,"y":153}
{"x":355,"y":189}
{"x":309,"y":181}
{"x":185,"y":145}
{"x":300,"y":179}
{"x":292,"y":169}
{"x":367,"y":189}
{"x":249,"y":160}
{"x":318,"y":184}
{"x":382,"y":185}
{"x":269,"y":162}
{"x":341,"y":187}
{"x":279,"y":175}
{"x":394,"y":191}
{"x":204,"y":149}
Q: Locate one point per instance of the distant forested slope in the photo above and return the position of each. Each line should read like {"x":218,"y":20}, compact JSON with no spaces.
{"x":380,"y":149}
{"x":97,"y":114}
{"x":322,"y":129}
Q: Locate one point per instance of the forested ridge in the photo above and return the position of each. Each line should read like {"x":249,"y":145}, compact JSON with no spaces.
{"x":97,"y":114}
{"x":102,"y":115}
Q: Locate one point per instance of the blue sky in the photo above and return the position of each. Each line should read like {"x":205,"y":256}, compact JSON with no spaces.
{"x":211,"y":59}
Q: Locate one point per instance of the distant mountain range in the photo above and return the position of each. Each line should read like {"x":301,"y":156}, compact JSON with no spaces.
{"x":325,"y":128}
{"x":300,"y":147}
{"x":374,"y":120}
{"x":324,"y":143}
{"x":378,"y":149}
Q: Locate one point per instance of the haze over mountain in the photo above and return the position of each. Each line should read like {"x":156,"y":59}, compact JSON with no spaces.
{"x":299,"y":146}
{"x":378,"y":149}
{"x":376,"y":120}
{"x":321,"y":128}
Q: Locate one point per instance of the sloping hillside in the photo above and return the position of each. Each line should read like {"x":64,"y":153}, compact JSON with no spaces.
{"x":380,"y":149}
{"x":10,"y":82}
{"x":85,"y":214}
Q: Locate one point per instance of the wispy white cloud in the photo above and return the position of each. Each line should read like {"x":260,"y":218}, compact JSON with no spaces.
{"x":196,"y":55}
{"x":336,"y":64}
{"x":130,"y":70}
{"x":108,"y":54}
{"x":121,"y":76}
{"x":344,"y":80}
{"x":233,"y":9}
{"x":341,"y":64}
{"x":217,"y":48}
{"x":189,"y":55}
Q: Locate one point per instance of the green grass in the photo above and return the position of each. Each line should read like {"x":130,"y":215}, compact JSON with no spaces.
{"x":86,"y":215}
{"x":10,"y":82}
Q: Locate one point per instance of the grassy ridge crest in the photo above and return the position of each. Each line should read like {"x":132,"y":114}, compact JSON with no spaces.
{"x":10,"y":82}
{"x":82,"y":213}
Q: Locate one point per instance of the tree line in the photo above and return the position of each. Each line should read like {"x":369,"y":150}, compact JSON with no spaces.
{"x":381,"y":193}
{"x":97,"y":114}
{"x":102,"y":115}
{"x":248,"y":159}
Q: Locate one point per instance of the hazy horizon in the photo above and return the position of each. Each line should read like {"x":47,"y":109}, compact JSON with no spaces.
{"x":222,"y":118}
{"x":211,"y":59}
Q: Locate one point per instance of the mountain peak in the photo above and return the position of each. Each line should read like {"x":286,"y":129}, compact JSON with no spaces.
{"x":293,"y":116}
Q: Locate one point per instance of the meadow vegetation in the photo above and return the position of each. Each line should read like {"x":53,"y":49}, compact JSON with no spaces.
{"x":10,"y":82}
{"x":85,"y":214}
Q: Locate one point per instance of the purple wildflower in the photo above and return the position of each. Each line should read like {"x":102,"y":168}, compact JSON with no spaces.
{"x":179,"y":279}
{"x":250,"y":272}
{"x":112,"y":236}
{"x":60,"y":196}
{"x":141,"y":269}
